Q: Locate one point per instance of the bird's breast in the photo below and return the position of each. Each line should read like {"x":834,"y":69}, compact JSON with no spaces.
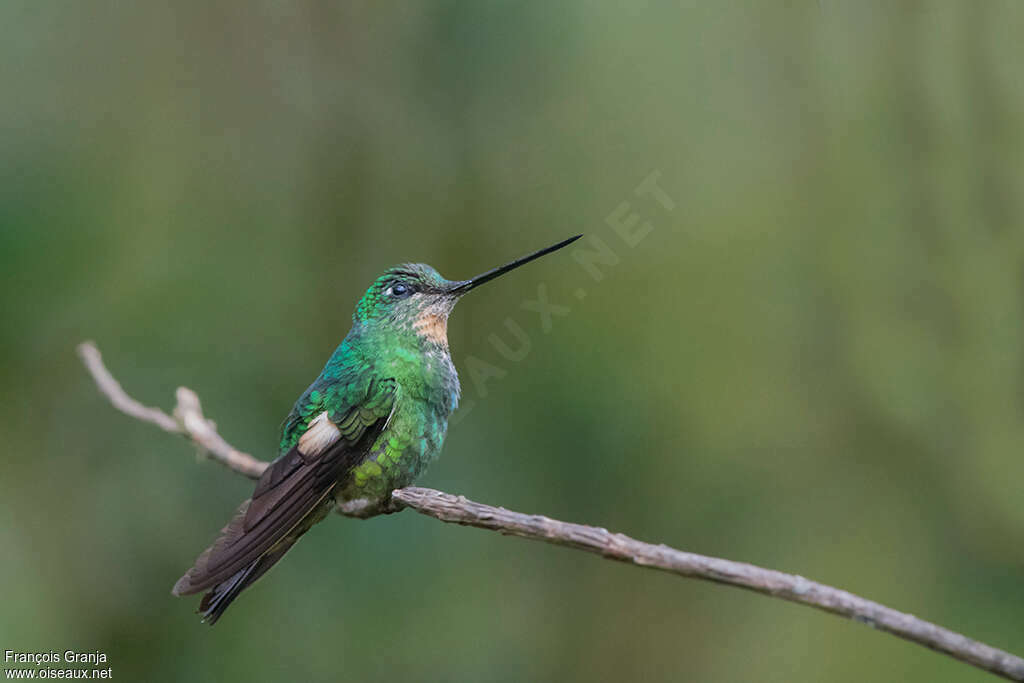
{"x":413,"y":439}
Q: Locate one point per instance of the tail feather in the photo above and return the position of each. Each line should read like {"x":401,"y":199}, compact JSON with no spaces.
{"x":218,"y":598}
{"x":220,"y":594}
{"x":292,"y":495}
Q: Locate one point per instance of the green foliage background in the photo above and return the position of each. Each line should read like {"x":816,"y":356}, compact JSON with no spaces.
{"x":814,"y":362}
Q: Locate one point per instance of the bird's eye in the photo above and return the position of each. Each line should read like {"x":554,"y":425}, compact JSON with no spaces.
{"x":399,"y":290}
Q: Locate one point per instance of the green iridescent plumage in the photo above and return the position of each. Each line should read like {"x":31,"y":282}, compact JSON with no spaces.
{"x":370,"y":423}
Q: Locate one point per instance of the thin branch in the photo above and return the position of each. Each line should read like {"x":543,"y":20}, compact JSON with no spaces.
{"x":188,"y":421}
{"x":459,"y":510}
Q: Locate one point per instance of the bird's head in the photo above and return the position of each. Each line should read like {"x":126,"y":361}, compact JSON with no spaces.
{"x":414,"y":296}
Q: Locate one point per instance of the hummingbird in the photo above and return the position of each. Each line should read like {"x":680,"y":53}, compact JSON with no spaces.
{"x":370,"y":423}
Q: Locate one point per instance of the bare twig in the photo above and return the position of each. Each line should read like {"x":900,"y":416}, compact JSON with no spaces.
{"x":188,"y":421}
{"x":459,"y":510}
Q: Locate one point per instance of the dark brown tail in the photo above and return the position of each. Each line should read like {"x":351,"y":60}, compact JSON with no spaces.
{"x":292,"y":495}
{"x":210,"y":573}
{"x":218,"y":598}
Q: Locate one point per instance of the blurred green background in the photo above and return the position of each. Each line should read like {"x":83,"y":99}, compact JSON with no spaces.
{"x":813,"y":362}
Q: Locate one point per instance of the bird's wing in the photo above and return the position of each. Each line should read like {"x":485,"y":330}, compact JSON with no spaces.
{"x":325,"y":445}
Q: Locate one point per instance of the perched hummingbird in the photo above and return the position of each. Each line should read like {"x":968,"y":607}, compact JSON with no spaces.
{"x":370,"y":423}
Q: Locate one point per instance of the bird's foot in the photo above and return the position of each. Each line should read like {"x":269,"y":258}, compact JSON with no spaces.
{"x":364,"y":508}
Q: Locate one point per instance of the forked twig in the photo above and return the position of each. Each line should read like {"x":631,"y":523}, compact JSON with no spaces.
{"x":188,"y":421}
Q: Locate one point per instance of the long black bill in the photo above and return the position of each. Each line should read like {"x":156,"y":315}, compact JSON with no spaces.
{"x":461,"y":288}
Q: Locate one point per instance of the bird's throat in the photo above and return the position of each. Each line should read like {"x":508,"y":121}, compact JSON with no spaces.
{"x":432,"y":326}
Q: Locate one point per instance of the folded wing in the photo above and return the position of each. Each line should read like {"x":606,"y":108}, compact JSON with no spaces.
{"x":292,"y":494}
